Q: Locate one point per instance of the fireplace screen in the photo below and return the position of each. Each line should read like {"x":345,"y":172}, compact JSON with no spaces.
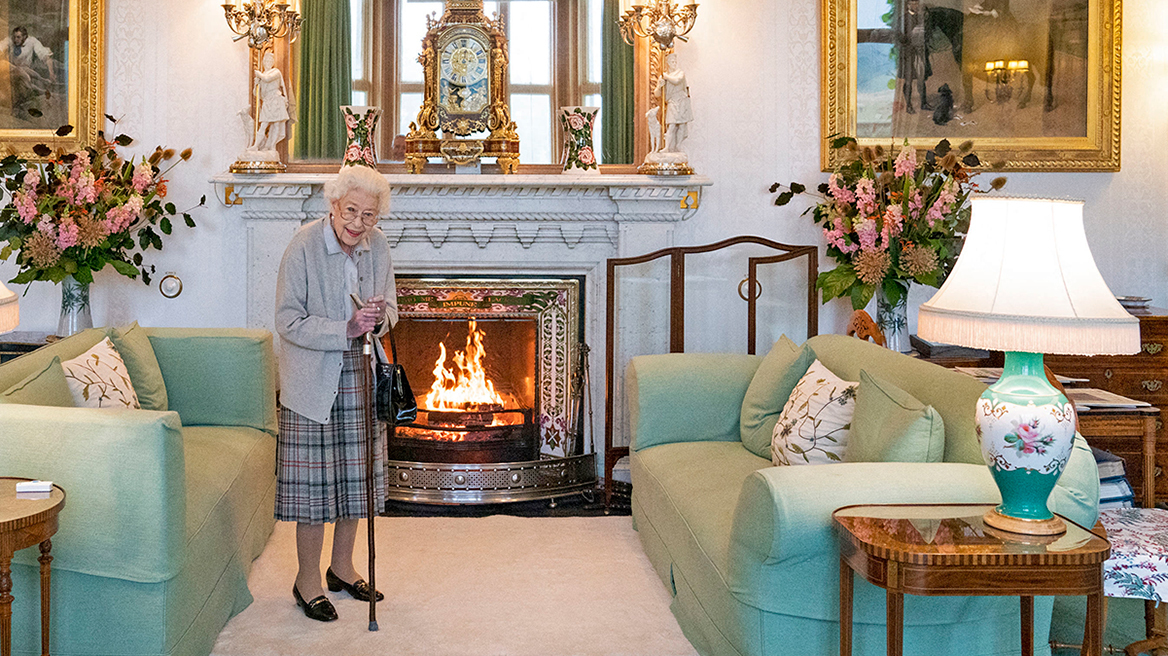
{"x":492,"y":364}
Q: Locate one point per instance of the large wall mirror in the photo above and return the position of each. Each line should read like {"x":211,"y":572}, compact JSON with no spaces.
{"x":562,"y":52}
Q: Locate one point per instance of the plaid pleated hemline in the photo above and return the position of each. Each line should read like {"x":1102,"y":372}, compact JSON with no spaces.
{"x":320,"y":468}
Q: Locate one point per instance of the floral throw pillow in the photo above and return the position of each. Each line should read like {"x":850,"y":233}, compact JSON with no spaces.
{"x":814,"y":425}
{"x":98,"y":379}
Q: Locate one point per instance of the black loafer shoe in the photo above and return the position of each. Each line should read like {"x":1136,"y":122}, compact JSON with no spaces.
{"x":319,"y":609}
{"x":358,"y":590}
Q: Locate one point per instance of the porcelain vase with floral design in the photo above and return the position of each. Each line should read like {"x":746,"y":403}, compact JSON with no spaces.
{"x":1027,"y":430}
{"x":361,"y":132}
{"x":892,"y":318}
{"x":579,"y":151}
{"x":75,"y":315}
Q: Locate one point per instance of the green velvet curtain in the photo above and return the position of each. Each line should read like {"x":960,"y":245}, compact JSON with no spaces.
{"x":325,"y":79}
{"x":616,"y":88}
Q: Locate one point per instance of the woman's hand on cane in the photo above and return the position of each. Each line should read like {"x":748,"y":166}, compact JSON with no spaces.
{"x":363,"y":321}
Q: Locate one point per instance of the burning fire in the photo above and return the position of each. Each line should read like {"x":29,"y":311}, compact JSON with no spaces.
{"x":466,"y":386}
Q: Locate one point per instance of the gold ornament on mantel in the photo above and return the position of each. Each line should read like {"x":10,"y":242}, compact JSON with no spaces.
{"x":661,"y":21}
{"x":464,"y":64}
{"x":261,"y":22}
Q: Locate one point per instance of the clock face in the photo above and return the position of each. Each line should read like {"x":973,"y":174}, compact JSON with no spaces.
{"x":463,"y":62}
{"x":464,"y":92}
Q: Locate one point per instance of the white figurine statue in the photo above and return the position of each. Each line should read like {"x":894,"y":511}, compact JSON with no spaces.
{"x":272,"y":108}
{"x":654,"y":129}
{"x":269,"y":128}
{"x":666,"y":154}
{"x":678,"y":112}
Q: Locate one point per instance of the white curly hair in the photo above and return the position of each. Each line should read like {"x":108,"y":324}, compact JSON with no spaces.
{"x":362,"y":178}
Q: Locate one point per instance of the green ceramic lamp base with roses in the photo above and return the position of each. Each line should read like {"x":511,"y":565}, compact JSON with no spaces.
{"x":1027,"y":430}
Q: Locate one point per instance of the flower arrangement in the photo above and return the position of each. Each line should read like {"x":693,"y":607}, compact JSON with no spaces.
{"x":891,"y":221}
{"x":73,"y":214}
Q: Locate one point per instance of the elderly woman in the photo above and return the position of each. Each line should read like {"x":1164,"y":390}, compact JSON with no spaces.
{"x":322,"y":445}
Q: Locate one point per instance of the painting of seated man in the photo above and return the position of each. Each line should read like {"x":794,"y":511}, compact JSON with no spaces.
{"x":34,"y":75}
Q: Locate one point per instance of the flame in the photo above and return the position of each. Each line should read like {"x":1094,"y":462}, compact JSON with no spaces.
{"x":466,"y":386}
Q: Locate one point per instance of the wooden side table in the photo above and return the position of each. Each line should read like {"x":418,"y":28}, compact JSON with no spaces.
{"x":946,"y":550}
{"x":16,"y":344}
{"x":23,"y":523}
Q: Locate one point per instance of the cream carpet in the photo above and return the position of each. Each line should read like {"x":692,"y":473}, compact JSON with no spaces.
{"x":491,"y":586}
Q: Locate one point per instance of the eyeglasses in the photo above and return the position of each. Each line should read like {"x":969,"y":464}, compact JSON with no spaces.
{"x":351,"y":215}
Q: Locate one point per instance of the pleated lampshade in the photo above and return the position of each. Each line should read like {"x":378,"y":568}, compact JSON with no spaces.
{"x":9,"y":310}
{"x":1026,"y":281}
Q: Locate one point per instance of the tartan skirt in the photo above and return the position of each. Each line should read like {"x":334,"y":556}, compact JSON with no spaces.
{"x":320,"y":468}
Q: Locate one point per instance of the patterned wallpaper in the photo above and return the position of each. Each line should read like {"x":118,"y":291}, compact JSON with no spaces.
{"x":174,"y":76}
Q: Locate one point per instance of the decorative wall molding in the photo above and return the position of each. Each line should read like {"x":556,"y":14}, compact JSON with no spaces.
{"x":499,"y":200}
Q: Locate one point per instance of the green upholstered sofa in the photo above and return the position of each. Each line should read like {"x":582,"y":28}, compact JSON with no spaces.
{"x":165,"y":511}
{"x":749,"y":551}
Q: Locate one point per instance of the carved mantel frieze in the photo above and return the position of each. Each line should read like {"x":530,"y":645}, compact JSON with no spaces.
{"x":483,"y":208}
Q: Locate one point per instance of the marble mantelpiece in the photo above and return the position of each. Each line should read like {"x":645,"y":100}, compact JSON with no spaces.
{"x":446,"y":225}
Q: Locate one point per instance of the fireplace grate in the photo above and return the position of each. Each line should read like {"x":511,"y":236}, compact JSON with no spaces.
{"x":489,"y":483}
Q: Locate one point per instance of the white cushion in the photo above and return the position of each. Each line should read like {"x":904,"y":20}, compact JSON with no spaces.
{"x":814,"y":425}
{"x":98,"y":379}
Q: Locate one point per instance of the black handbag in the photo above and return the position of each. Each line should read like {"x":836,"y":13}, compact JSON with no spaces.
{"x":396,"y":404}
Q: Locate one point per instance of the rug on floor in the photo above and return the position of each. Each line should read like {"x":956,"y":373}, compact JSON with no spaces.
{"x":489,"y":586}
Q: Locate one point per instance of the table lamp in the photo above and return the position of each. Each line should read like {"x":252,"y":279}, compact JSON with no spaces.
{"x":1026,"y":284}
{"x":9,"y":309}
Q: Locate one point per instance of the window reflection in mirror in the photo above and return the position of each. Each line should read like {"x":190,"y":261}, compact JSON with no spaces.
{"x":557,"y":57}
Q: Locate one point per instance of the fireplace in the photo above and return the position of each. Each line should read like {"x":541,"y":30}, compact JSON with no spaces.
{"x":495,"y":365}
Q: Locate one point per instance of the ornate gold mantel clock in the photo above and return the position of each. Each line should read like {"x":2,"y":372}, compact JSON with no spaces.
{"x":464,"y":61}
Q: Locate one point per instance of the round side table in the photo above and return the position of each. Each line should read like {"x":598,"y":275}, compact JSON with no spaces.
{"x":23,"y":523}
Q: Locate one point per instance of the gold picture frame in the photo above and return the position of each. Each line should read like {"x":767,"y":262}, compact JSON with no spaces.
{"x":75,"y":45}
{"x":1047,"y":86}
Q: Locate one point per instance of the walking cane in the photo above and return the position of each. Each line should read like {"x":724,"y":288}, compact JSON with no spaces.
{"x":371,"y":435}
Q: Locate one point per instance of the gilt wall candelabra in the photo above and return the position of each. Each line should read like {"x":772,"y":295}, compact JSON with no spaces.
{"x":661,"y":22}
{"x":261,"y":22}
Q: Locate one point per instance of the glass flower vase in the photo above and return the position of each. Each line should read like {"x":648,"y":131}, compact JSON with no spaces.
{"x":361,"y":133}
{"x":579,"y":151}
{"x":892,"y":318}
{"x":75,"y":315}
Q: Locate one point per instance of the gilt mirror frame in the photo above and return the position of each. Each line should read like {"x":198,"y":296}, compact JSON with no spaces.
{"x":1096,"y":147}
{"x":84,"y":71}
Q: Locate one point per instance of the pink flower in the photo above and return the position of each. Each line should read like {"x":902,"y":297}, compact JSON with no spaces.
{"x":46,"y":225}
{"x":575,"y":122}
{"x":586,"y":156}
{"x":942,"y":205}
{"x":868,"y":234}
{"x":369,"y":157}
{"x":1027,"y":432}
{"x":121,"y":217}
{"x":32,"y":178}
{"x":350,"y":121}
{"x":25,"y":206}
{"x":915,"y":204}
{"x":353,"y":154}
{"x":67,"y":236}
{"x":906,"y":162}
{"x":143,"y":176}
{"x":840,"y":193}
{"x":866,"y":196}
{"x":893,"y":223}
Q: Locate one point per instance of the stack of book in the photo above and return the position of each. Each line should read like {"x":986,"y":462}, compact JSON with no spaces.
{"x":1114,"y":489}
